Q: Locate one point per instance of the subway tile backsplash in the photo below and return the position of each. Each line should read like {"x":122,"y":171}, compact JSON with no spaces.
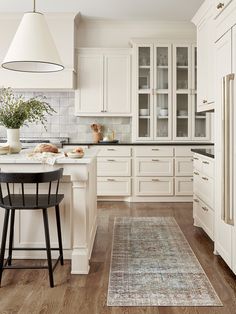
{"x":64,"y":123}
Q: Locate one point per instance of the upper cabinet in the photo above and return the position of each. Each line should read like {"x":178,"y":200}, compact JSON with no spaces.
{"x":63,"y":27}
{"x":104,"y":82}
{"x":204,"y":20}
{"x":165,"y":93}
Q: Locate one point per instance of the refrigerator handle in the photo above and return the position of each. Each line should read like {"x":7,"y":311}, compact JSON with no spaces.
{"x":228,"y":214}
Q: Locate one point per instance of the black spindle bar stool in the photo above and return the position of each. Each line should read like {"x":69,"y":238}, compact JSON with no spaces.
{"x":12,"y":202}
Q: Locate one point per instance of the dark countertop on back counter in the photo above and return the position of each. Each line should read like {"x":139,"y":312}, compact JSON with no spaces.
{"x":142,"y":143}
{"x":209,"y":152}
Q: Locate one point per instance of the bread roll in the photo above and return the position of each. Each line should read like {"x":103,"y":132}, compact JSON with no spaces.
{"x":78,"y":150}
{"x":46,"y":148}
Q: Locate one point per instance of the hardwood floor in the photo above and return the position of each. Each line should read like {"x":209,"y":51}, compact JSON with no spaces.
{"x":26,"y":291}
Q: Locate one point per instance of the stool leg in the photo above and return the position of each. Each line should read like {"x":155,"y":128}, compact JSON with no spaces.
{"x":47,"y":238}
{"x":4,"y":237}
{"x":59,"y":233}
{"x":11,"y":236}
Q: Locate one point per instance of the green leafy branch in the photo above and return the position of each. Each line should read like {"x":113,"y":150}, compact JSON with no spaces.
{"x":15,"y":111}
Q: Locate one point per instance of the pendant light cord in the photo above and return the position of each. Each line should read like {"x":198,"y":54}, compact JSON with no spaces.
{"x":34,"y":7}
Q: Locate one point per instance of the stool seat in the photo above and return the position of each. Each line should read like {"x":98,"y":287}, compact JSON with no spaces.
{"x":15,"y":201}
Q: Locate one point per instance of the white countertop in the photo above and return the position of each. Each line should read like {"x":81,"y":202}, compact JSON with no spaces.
{"x":23,"y":158}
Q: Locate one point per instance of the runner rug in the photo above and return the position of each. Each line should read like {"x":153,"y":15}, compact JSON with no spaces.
{"x":152,"y":264}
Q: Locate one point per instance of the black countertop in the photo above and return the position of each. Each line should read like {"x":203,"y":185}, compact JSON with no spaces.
{"x":209,"y":152}
{"x":142,"y":143}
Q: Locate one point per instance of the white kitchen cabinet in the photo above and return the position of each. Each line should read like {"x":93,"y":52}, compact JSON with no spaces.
{"x":204,"y":196}
{"x":63,"y":27}
{"x":183,"y":186}
{"x":114,"y":151}
{"x":117,"y":167}
{"x":154,"y":167}
{"x":183,"y":167}
{"x":118,"y":186}
{"x":104,"y":83}
{"x":154,"y":186}
{"x":153,"y":151}
{"x":165,"y":93}
{"x":204,"y":20}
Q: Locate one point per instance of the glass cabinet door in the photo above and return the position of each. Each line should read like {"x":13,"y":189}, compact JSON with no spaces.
{"x":182,"y":92}
{"x":162,"y":92}
{"x":145,"y":90}
{"x":200,"y":119}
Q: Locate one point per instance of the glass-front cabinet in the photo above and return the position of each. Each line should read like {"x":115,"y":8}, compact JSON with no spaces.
{"x":167,"y":92}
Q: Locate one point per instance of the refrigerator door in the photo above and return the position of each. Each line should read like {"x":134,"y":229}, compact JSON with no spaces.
{"x":223,"y":231}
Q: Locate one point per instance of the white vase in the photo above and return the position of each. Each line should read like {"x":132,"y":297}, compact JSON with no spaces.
{"x":13,"y":140}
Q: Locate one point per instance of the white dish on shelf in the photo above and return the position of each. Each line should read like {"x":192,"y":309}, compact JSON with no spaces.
{"x":163,"y":112}
{"x":144,"y":112}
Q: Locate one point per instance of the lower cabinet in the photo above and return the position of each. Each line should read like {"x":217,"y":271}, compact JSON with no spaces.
{"x":203,"y":190}
{"x":154,"y":186}
{"x":183,"y":186}
{"x":204,"y":216}
{"x":154,"y":166}
{"x":118,"y":186}
{"x":114,"y":167}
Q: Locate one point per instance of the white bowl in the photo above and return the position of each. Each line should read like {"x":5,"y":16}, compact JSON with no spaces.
{"x":164,"y":112}
{"x":144,"y":112}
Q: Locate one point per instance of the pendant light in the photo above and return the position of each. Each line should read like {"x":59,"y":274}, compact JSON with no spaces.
{"x":32,"y":48}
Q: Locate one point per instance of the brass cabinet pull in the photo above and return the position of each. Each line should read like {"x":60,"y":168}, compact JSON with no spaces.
{"x":205,"y":208}
{"x":205,"y":178}
{"x":197,"y":174}
{"x":206,"y":162}
{"x":204,"y":101}
{"x":155,"y":180}
{"x":220,"y":5}
{"x":111,"y":180}
{"x":155,"y":149}
{"x":111,"y":149}
{"x":110,"y":159}
{"x":191,"y":179}
{"x":195,"y":158}
{"x":196,"y":200}
{"x":155,"y":159}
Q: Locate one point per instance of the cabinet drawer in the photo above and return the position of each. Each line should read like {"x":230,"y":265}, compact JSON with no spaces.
{"x":183,"y":152}
{"x":183,"y":166}
{"x":205,"y":216}
{"x":206,"y":190}
{"x":183,"y":186}
{"x":154,"y":186}
{"x":149,"y":151}
{"x":197,"y":162}
{"x":208,"y":167}
{"x":107,"y":167}
{"x":154,"y":167}
{"x":114,"y":151}
{"x":113,"y":186}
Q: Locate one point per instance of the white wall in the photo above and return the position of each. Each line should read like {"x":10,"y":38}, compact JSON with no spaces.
{"x":105,"y":33}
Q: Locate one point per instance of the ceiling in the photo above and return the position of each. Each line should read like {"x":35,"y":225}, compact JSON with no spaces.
{"x":164,"y":10}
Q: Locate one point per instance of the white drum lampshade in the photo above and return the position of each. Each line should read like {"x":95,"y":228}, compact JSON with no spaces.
{"x":32,"y":48}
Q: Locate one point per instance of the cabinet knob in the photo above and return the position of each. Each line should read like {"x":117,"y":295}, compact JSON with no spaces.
{"x":197,"y":174}
{"x":204,"y":101}
{"x":220,"y":5}
{"x":195,"y":158}
{"x":196,"y":200}
{"x":205,"y":178}
{"x":205,"y":208}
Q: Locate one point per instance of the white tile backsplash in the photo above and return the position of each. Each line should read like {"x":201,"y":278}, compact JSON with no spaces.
{"x":64,"y":123}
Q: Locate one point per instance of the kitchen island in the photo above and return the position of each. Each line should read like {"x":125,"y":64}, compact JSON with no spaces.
{"x":78,"y":209}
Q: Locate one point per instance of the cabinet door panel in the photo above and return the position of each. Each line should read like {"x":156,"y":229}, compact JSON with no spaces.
{"x":183,"y":167}
{"x":154,"y":186}
{"x":90,"y":83}
{"x":117,"y":89}
{"x":113,"y":167}
{"x":183,"y":186}
{"x":154,"y":167}
{"x":113,"y":186}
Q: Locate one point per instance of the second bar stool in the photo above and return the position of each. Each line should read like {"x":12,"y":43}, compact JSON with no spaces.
{"x":12,"y":202}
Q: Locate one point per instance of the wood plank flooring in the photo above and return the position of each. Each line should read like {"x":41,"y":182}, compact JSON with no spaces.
{"x":27,"y":291}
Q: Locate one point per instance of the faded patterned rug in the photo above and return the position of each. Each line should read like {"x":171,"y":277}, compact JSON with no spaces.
{"x":153,"y":265}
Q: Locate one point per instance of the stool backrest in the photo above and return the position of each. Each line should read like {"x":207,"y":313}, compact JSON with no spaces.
{"x":29,"y":178}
